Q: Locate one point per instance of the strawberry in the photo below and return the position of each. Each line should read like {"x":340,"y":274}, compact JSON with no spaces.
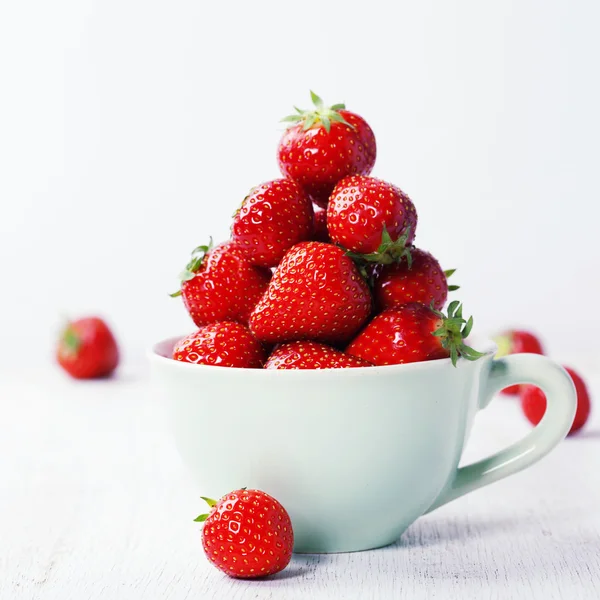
{"x":533,"y":402}
{"x":517,"y":342}
{"x":321,"y":234}
{"x":311,"y":355}
{"x":370,"y":217}
{"x":223,"y":344}
{"x":247,"y":534}
{"x":414,"y":332}
{"x":324,"y":145}
{"x":219,"y":284}
{"x":420,"y":279}
{"x":87,"y":349}
{"x":273,"y":217}
{"x":316,"y":293}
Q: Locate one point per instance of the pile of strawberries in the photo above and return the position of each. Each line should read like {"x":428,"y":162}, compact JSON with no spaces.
{"x":321,"y":270}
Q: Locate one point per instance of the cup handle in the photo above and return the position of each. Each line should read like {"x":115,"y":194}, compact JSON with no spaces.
{"x":560,"y":412}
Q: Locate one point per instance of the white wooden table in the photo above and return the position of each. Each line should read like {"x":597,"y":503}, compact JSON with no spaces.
{"x":94,"y":503}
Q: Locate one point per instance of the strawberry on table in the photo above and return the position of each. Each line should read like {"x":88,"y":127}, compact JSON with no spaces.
{"x":323,"y":145}
{"x":316,"y":293}
{"x":533,"y":402}
{"x":420,"y":279}
{"x":517,"y":341}
{"x":412,"y":333}
{"x":87,"y":349}
{"x":223,"y":344}
{"x":220,"y":284}
{"x":247,"y":534}
{"x":311,"y":355}
{"x":274,"y":217}
{"x":372,"y":218}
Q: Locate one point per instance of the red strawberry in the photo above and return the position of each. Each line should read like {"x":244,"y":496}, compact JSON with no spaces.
{"x":221,"y":285}
{"x":420,"y":279}
{"x":87,"y":349}
{"x":247,"y":534}
{"x":517,"y":342}
{"x":533,"y":402}
{"x":413,"y":332}
{"x":323,"y":146}
{"x":321,"y":234}
{"x":273,"y":217}
{"x":371,"y":217}
{"x":316,"y":293}
{"x":223,"y":344}
{"x":311,"y":355}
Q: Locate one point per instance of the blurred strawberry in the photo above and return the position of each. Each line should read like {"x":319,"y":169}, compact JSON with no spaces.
{"x":87,"y":349}
{"x":533,"y":402}
{"x":517,"y":342}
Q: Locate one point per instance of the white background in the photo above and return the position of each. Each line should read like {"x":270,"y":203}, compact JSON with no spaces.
{"x":130,"y":130}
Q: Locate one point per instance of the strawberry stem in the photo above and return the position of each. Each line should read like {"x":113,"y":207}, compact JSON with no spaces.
{"x":448,"y":273}
{"x":320,"y":115}
{"x":201,"y":518}
{"x":71,"y":340}
{"x":193,"y":265}
{"x":453,"y":331}
{"x":388,"y":252}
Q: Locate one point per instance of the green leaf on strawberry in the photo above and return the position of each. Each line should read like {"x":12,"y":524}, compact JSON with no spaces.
{"x":448,"y":273}
{"x":201,"y":518}
{"x":320,"y":115}
{"x":414,"y":332}
{"x":70,"y":340}
{"x":453,"y":331}
{"x":389,"y":250}
{"x":193,"y":265}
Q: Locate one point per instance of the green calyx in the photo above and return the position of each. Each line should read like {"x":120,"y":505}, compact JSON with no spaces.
{"x":211,"y":503}
{"x":70,"y":340}
{"x":192,"y":267}
{"x":504,"y":344}
{"x":453,"y":332}
{"x":448,"y":273}
{"x":388,"y":252}
{"x":320,"y":115}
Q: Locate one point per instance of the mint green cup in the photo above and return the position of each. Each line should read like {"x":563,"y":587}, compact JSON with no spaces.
{"x":332,"y":444}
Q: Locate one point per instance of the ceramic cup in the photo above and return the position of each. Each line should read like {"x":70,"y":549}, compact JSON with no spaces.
{"x":354,"y":455}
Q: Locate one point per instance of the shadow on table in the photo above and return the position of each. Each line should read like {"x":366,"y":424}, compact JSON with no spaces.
{"x":587,"y":434}
{"x":432,"y":532}
{"x":292,"y":571}
{"x":438,"y":531}
{"x":300,"y":566}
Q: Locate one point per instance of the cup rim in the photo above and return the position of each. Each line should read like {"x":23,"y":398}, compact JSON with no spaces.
{"x":489,"y":348}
